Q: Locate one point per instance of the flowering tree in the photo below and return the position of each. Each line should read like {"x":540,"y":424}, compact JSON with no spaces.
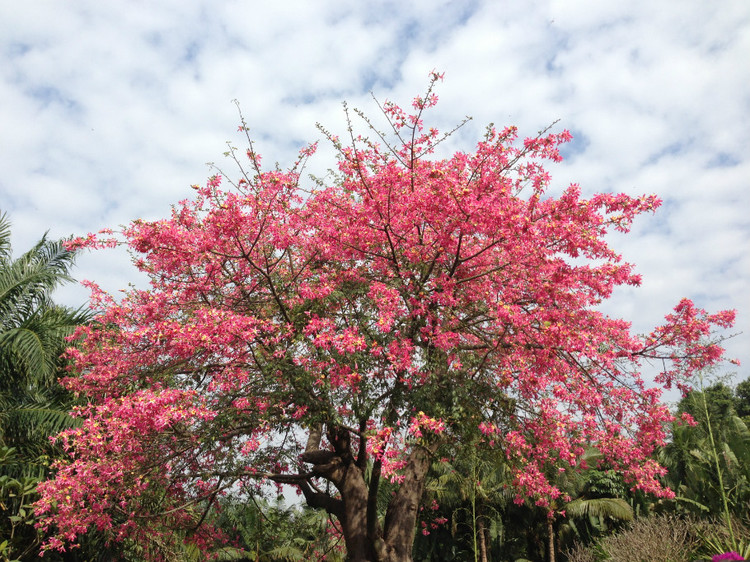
{"x":331,"y":338}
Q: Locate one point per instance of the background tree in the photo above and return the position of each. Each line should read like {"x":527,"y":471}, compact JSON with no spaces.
{"x":462,"y":513}
{"x":272,"y":531}
{"x":32,"y":339}
{"x":597,"y":506}
{"x":708,"y":457}
{"x":33,"y":406}
{"x":742,"y":400}
{"x":334,"y":337}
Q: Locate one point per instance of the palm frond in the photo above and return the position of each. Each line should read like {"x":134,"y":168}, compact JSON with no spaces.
{"x":5,"y":247}
{"x":615,"y":508}
{"x":697,"y":504}
{"x":231,"y":553}
{"x":43,"y":418}
{"x":32,"y":350}
{"x":25,"y":349}
{"x":286,"y":553}
{"x":27,"y":282}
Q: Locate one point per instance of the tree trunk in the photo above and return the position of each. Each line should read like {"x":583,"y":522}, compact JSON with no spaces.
{"x":366,"y":540}
{"x":482,"y":539}
{"x":354,"y":521}
{"x":551,"y":539}
{"x":401,"y":516}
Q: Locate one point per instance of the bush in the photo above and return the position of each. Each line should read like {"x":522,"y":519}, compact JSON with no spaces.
{"x":664,"y":538}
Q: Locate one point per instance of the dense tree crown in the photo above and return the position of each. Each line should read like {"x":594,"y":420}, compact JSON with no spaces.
{"x":332,"y":337}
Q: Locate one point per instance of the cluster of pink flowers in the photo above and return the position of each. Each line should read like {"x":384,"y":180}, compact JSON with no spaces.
{"x":422,"y":422}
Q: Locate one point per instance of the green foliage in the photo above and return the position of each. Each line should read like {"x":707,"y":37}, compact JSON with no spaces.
{"x":31,"y":326}
{"x":33,"y":333}
{"x":691,"y":461}
{"x":18,"y":538}
{"x":720,"y":401}
{"x":33,"y":406}
{"x":717,"y":539}
{"x":598,"y":508}
{"x":742,"y":400}
{"x":266,"y":532}
{"x":471,"y":493}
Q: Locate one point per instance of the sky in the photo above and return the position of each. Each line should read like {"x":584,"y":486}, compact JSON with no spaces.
{"x":109,"y":111}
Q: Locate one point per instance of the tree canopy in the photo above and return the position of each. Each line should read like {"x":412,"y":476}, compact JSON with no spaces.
{"x":330,"y":335}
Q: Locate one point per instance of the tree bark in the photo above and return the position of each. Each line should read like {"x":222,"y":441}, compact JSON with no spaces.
{"x":551,"y":539}
{"x":482,"y":539}
{"x":401,"y":516}
{"x":353,"y":490}
{"x":366,"y":540}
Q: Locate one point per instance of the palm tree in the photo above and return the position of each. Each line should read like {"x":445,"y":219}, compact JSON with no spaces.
{"x":470,"y":491}
{"x":33,"y":333}
{"x":597,"y":504}
{"x":33,"y":406}
{"x":274,"y":532}
{"x":32,"y":328}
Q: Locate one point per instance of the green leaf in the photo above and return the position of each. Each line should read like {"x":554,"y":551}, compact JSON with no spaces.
{"x":615,"y":508}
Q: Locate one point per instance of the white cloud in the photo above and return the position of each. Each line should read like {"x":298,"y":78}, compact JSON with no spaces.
{"x":109,"y":111}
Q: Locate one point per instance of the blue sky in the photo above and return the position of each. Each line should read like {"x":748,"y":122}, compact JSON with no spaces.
{"x":109,"y":111}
